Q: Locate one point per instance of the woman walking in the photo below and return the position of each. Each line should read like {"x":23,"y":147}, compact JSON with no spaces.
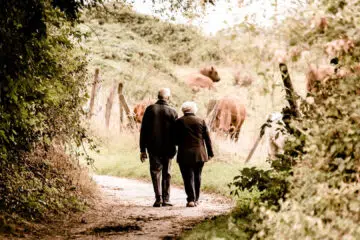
{"x":194,"y":148}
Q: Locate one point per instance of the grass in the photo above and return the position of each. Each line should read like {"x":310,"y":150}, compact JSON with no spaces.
{"x":239,"y":224}
{"x":216,"y":175}
{"x":119,"y":156}
{"x":215,"y":228}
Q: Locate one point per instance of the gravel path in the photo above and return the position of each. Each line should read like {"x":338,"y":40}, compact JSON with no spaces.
{"x":125,"y":212}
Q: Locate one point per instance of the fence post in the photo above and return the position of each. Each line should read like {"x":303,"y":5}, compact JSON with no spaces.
{"x":109,"y":104}
{"x":289,"y":89}
{"x":290,"y":97}
{"x":124,"y":107}
{"x":121,"y":110}
{"x":93,"y":92}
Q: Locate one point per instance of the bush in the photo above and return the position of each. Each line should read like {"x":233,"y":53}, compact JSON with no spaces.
{"x":323,"y":200}
{"x":42,"y":90}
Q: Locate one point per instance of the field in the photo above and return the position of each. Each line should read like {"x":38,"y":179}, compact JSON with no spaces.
{"x":115,"y":50}
{"x":132,"y":54}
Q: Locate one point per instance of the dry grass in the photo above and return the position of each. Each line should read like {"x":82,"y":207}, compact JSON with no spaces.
{"x":67,"y":166}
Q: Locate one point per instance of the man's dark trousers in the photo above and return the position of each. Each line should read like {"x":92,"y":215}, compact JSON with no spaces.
{"x":160,"y":168}
{"x":191,"y":174}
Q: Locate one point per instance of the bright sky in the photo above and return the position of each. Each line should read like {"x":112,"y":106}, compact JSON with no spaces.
{"x":227,"y":13}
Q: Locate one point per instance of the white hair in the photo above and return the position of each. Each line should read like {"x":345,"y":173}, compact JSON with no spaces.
{"x":164,"y":93}
{"x":189,"y":107}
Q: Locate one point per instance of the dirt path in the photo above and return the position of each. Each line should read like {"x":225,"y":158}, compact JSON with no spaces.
{"x":125,"y":211}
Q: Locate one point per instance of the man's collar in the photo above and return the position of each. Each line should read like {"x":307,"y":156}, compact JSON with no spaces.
{"x":162,"y":101}
{"x":189,"y":114}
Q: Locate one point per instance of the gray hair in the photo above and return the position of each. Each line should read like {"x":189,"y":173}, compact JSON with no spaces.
{"x":164,"y":93}
{"x":189,"y":107}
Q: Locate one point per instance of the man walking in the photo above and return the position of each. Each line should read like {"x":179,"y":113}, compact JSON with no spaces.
{"x":157,"y":137}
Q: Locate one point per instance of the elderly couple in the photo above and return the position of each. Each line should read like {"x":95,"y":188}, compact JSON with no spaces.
{"x":161,"y":130}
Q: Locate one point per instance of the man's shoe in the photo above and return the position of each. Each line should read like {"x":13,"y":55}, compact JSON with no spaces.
{"x":197,"y":203}
{"x":167,"y":204}
{"x":190,"y":204}
{"x":157,"y":204}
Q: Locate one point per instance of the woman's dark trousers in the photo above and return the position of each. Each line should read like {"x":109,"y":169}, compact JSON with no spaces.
{"x":191,"y":174}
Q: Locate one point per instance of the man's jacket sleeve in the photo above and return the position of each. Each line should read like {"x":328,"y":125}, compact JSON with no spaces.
{"x":174,"y":129}
{"x":144,"y":130}
{"x":177,"y":132}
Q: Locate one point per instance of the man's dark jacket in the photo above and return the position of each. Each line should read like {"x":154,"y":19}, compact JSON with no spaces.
{"x":157,"y":130}
{"x":191,"y":137}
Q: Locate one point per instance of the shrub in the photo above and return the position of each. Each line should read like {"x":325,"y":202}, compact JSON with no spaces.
{"x":323,"y":200}
{"x":42,"y":90}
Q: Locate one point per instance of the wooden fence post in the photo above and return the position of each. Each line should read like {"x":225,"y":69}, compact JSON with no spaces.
{"x":109,"y":104}
{"x":290,"y":97}
{"x":124,"y":107}
{"x":290,"y":92}
{"x":93,"y":92}
{"x":121,"y":109}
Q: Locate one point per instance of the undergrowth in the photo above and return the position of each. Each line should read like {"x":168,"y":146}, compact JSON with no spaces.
{"x":42,"y":89}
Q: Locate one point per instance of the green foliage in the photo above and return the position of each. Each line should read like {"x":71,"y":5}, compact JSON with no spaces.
{"x":180,"y":44}
{"x":335,"y":150}
{"x":311,"y":191}
{"x":240,"y":224}
{"x":323,"y":200}
{"x":42,"y":76}
{"x":271,"y":184}
{"x":42,"y":90}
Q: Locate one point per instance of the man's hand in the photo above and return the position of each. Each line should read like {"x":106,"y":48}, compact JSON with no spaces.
{"x":143,"y":156}
{"x":210,"y":157}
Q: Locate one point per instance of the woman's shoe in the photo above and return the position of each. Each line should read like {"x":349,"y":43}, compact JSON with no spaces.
{"x":157,"y":204}
{"x":190,"y":204}
{"x":167,"y":204}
